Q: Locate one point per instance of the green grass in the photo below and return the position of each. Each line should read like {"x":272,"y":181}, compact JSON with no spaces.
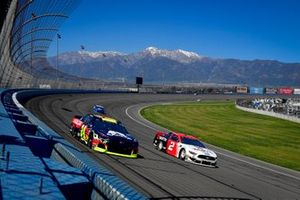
{"x":219,"y":123}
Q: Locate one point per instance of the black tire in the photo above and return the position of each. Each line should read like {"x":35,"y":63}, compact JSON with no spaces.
{"x":90,"y":145}
{"x":216,"y":166}
{"x":73,"y":132}
{"x":160,"y":146}
{"x":182,"y":154}
{"x":155,"y":142}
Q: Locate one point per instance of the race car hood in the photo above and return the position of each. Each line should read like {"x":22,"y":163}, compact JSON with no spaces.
{"x":202,"y":151}
{"x":120,"y":135}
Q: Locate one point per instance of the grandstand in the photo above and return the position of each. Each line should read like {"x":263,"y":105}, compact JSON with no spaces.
{"x":286,"y":106}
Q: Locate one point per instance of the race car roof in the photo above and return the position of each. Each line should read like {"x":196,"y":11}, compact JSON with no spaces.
{"x":185,"y":135}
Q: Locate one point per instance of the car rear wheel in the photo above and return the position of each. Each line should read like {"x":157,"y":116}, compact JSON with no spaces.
{"x":155,"y":142}
{"x":73,"y":132}
{"x":182,"y":154}
{"x":160,"y":145}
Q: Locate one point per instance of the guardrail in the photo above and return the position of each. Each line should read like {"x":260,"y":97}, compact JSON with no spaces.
{"x":272,"y":114}
{"x":105,"y":183}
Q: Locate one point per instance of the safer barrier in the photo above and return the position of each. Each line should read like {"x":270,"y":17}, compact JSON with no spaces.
{"x":104,"y":181}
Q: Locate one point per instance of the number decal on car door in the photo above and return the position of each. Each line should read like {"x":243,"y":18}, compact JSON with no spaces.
{"x":171,"y":146}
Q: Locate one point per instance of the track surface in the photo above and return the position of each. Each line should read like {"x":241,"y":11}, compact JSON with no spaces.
{"x":158,"y":175}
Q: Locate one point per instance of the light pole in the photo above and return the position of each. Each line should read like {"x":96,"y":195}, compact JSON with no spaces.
{"x":82,"y":48}
{"x":101,"y":69}
{"x":58,"y":36}
{"x":33,"y":16}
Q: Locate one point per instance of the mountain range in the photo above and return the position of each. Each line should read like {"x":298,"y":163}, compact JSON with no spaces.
{"x":167,"y":66}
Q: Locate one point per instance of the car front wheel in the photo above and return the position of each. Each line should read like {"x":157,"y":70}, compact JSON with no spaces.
{"x":90,"y":140}
{"x":182,"y":154}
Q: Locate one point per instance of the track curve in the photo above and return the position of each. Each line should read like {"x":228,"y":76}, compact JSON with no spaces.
{"x":158,"y":175}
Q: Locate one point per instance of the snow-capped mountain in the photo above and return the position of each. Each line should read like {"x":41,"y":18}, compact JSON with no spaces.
{"x":158,"y":65}
{"x":100,"y":54}
{"x":88,"y":56}
{"x":177,"y":55}
{"x":75,"y":57}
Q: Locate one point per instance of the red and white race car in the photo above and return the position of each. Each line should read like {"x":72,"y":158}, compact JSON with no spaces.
{"x":185,"y":147}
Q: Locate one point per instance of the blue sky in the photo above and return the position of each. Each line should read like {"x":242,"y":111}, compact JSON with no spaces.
{"x":244,"y":29}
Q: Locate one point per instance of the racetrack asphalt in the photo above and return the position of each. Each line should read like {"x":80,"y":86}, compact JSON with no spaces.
{"x":156,"y":174}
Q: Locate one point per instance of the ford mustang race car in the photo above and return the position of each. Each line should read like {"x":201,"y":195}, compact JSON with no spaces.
{"x":104,"y":134}
{"x":185,"y":147}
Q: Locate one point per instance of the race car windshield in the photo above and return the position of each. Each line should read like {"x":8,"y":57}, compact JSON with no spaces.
{"x":191,"y":141}
{"x":104,"y":127}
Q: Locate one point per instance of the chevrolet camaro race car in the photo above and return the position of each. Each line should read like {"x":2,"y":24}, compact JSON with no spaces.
{"x":99,"y":109}
{"x":185,"y":147}
{"x":104,"y":134}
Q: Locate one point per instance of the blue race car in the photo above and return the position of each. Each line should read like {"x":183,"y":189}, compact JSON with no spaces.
{"x":99,"y":109}
{"x":104,"y":134}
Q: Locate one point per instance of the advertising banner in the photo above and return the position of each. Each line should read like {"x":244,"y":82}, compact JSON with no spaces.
{"x":271,"y":90}
{"x":285,"y":91}
{"x":242,"y":90}
{"x":45,"y":86}
{"x":255,"y":90}
{"x":296,"y":91}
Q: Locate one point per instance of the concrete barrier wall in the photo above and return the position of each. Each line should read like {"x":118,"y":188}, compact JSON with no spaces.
{"x":272,"y":114}
{"x":105,"y":182}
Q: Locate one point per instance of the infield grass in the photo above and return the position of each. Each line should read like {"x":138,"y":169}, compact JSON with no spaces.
{"x":219,"y":123}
